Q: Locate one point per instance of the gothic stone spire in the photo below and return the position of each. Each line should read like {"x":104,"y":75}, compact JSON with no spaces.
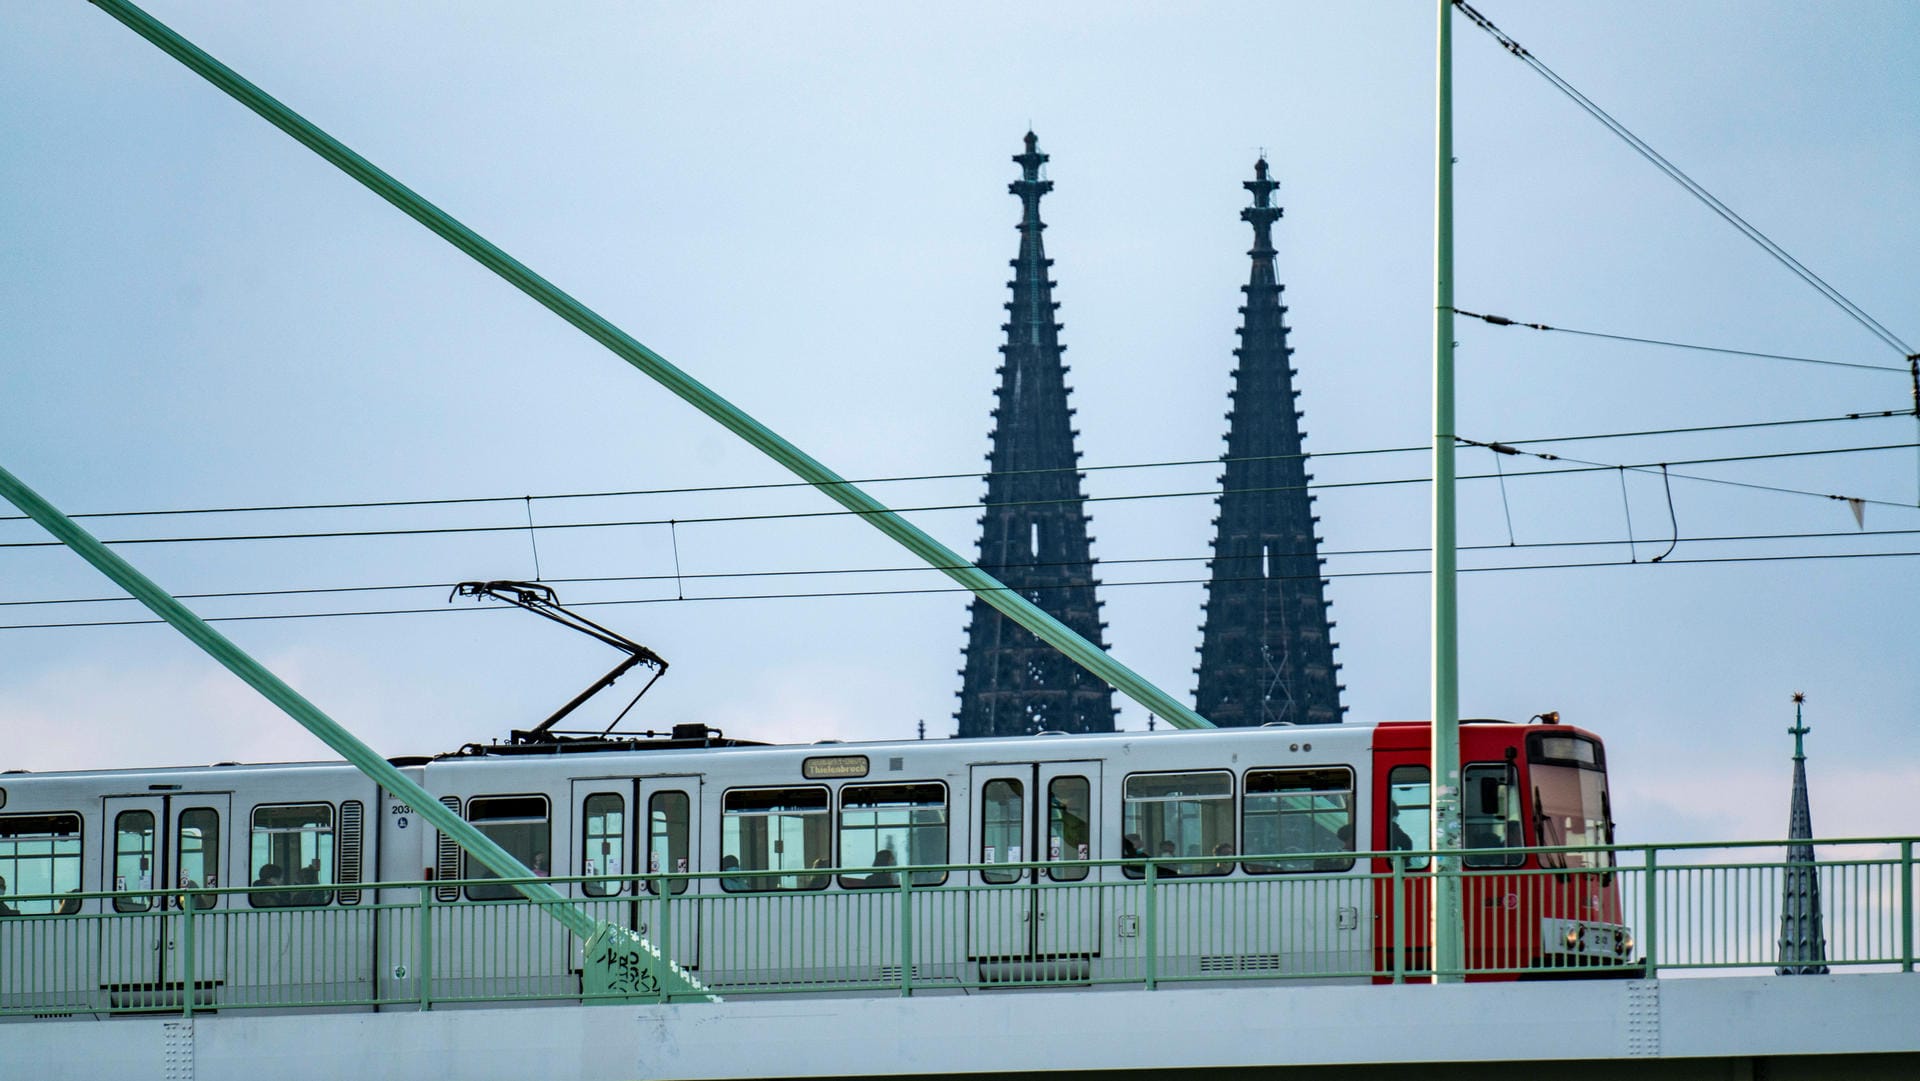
{"x":1266,"y":650}
{"x":1803,"y":942}
{"x":1033,"y":534}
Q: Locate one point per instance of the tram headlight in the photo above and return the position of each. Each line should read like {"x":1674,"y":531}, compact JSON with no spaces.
{"x":1626,"y":943}
{"x":1574,"y":934}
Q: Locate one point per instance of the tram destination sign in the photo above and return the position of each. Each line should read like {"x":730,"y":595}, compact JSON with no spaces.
{"x":828,"y":767}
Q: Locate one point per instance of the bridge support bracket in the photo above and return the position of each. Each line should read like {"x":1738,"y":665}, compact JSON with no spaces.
{"x":177,"y":1049}
{"x":1643,"y":1019}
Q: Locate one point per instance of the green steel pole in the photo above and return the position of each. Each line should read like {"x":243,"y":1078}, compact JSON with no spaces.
{"x":1449,"y":953}
{"x":1650,"y":916}
{"x":1906,"y":905}
{"x":837,"y":488}
{"x":426,"y":959}
{"x":1152,"y":933}
{"x":187,"y":973}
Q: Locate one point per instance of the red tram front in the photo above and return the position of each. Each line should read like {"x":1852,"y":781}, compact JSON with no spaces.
{"x":1527,"y":914}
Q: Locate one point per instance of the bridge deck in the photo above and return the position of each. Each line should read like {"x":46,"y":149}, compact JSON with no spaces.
{"x":1723,"y":1027}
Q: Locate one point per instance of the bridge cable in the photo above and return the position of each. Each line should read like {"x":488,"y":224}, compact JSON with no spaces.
{"x":1692,"y":186}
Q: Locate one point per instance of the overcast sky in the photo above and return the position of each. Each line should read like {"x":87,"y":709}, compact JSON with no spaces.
{"x":806,"y":208}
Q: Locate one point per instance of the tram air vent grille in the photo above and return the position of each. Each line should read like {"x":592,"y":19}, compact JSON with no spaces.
{"x":447,"y":858}
{"x":1255,"y":962}
{"x":352,"y":814}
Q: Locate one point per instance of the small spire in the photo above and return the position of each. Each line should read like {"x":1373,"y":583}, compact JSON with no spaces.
{"x":1803,"y":943}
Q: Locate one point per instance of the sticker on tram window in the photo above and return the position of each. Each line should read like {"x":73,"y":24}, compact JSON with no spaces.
{"x":987,"y":857}
{"x":680,"y":865}
{"x":1013,"y":853}
{"x":1083,"y":851}
{"x":1054,"y":848}
{"x":592,"y":868}
{"x":831,"y":766}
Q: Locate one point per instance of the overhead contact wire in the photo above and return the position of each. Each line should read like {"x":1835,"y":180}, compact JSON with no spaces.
{"x":1693,"y":187}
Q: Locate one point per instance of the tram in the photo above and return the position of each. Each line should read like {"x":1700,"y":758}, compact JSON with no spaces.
{"x":1046,"y":860}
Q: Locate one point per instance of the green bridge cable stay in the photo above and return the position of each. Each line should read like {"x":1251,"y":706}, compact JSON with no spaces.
{"x":328,"y":731}
{"x":937,"y":555}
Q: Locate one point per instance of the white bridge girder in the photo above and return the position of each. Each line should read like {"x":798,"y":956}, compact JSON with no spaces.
{"x":1653,"y":1029}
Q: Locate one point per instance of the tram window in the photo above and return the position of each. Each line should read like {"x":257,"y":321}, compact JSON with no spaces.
{"x":1570,"y":808}
{"x":133,"y":858}
{"x":1069,"y":801}
{"x":883,"y":825}
{"x":197,"y":864}
{"x":775,"y":829}
{"x":1003,"y":811}
{"x":1490,"y":814}
{"x":668,"y":820}
{"x":291,"y":845}
{"x":603,"y":843}
{"x":1181,"y":814}
{"x":1408,"y":813}
{"x":518,"y":824}
{"x":39,"y":854}
{"x":1307,"y":811}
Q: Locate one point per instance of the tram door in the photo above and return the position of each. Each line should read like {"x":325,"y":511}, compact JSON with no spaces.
{"x":1402,"y":824}
{"x":632,"y":826}
{"x":160,"y":842}
{"x":1042,"y":814}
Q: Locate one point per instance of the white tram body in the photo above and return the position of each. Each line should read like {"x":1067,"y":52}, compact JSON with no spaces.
{"x":760,"y":833}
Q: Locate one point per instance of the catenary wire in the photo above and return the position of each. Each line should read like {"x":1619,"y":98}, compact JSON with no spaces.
{"x":739,"y":487}
{"x":1503,"y":321}
{"x":1327,"y":553}
{"x":1699,"y":560}
{"x":1693,"y":187}
{"x":1581,"y":467}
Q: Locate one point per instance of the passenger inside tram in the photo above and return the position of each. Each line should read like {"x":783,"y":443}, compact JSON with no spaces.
{"x":269,"y":876}
{"x":1223,"y":858}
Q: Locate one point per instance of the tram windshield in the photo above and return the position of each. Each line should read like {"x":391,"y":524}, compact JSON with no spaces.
{"x":1570,"y":799}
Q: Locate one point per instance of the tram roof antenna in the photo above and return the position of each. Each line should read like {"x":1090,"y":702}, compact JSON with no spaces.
{"x":542,"y":601}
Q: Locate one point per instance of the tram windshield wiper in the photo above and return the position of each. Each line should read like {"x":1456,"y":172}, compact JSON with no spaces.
{"x":541,"y":600}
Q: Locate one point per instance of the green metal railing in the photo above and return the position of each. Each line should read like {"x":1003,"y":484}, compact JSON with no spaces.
{"x":1143,"y":923}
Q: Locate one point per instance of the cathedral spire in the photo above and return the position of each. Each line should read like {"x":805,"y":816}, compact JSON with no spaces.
{"x":1803,"y":942}
{"x":1266,"y":652}
{"x":1033,"y":533}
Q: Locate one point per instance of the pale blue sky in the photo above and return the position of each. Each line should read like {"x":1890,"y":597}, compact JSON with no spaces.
{"x":806,"y":208}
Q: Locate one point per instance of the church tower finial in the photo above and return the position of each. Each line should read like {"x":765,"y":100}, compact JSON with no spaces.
{"x":1266,"y":652}
{"x":1262,"y":214}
